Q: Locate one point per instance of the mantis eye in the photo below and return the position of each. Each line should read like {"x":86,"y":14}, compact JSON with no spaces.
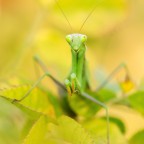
{"x":84,"y":39}
{"x":68,"y":38}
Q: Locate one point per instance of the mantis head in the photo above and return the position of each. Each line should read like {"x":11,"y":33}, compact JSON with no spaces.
{"x":76,"y":41}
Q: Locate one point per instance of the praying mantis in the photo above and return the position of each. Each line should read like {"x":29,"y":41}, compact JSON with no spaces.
{"x":78,"y":80}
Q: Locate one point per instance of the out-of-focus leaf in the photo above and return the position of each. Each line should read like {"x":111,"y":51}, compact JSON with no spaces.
{"x":98,"y":130}
{"x":37,"y":100}
{"x":37,"y":134}
{"x":31,"y":116}
{"x":106,"y":95}
{"x":64,"y":131}
{"x":55,"y":103}
{"x":85,"y":107}
{"x":119,"y":123}
{"x":33,"y":106}
{"x":136,"y":100}
{"x":138,"y":138}
{"x":11,"y":123}
{"x":30,"y":113}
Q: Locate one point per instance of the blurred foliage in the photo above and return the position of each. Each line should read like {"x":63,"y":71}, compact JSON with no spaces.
{"x":138,"y":138}
{"x":115,"y":34}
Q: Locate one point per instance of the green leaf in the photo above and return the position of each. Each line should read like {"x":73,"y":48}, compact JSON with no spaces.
{"x":85,"y":107}
{"x":29,"y":116}
{"x":36,"y":101}
{"x":138,"y":138}
{"x":106,"y":95}
{"x":38,"y":132}
{"x":15,"y":122}
{"x":64,"y":131}
{"x":11,"y":122}
{"x":98,"y":130}
{"x":119,"y":123}
{"x":136,"y":100}
{"x":56,"y":105}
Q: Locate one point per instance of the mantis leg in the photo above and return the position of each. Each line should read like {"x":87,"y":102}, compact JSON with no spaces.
{"x":73,"y":84}
{"x":47,"y":74}
{"x":36,"y":69}
{"x":30,"y":90}
{"x":115,"y":71}
{"x":87,"y":96}
{"x":44,"y":68}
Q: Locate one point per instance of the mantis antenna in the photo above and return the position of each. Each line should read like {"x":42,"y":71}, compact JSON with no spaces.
{"x":89,"y":15}
{"x":63,"y":14}
{"x":84,"y":20}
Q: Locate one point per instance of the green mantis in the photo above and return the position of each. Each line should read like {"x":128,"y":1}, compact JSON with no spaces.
{"x":78,"y":78}
{"x":77,"y":81}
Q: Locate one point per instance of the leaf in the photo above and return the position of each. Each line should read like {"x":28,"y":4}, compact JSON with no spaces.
{"x":119,"y":123}
{"x":138,"y":138}
{"x":136,"y":100}
{"x":11,"y":122}
{"x":55,"y":103}
{"x":98,"y":130}
{"x":38,"y":132}
{"x":29,"y":115}
{"x":64,"y":131}
{"x":106,"y":95}
{"x":36,"y":101}
{"x":85,"y":107}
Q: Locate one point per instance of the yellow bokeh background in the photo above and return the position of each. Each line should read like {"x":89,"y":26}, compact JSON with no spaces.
{"x":114,"y":30}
